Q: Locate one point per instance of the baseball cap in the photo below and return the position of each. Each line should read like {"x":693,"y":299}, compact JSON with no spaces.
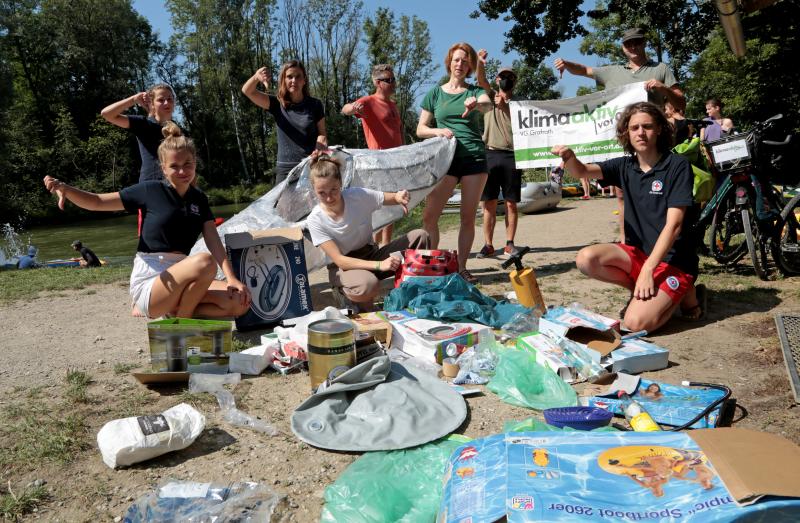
{"x":634,"y":33}
{"x":506,"y":69}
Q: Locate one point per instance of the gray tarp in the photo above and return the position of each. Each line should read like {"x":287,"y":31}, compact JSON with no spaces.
{"x":416,"y":168}
{"x":379,"y":405}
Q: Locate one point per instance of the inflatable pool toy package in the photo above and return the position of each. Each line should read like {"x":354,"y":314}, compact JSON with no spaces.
{"x":608,"y":476}
{"x":668,"y":404}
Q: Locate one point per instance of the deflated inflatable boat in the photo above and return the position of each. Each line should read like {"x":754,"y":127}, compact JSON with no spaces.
{"x":415,"y":167}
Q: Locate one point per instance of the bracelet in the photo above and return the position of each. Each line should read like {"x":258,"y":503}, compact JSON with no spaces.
{"x":377,"y":266}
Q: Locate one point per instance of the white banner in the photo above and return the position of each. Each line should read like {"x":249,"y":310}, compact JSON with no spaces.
{"x":587,"y":124}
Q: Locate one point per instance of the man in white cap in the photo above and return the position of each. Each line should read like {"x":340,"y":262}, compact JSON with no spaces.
{"x":660,"y":83}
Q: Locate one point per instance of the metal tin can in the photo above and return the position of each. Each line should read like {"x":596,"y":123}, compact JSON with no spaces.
{"x":331,"y":349}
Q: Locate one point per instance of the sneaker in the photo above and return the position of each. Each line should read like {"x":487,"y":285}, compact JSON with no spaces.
{"x":586,"y":197}
{"x":468,"y":276}
{"x":486,"y":251}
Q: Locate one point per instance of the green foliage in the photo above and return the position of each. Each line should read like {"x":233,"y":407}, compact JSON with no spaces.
{"x":761,"y":83}
{"x":535,"y":83}
{"x":77,"y":383}
{"x":539,"y":25}
{"x":15,"y":505}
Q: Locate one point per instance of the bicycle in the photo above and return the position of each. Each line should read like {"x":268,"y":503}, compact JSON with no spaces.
{"x":745,"y":213}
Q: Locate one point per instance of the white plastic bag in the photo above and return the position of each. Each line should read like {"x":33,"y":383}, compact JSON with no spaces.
{"x":126,"y":441}
{"x":254,"y":360}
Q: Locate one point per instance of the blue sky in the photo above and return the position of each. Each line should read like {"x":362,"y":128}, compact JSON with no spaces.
{"x":448,"y":22}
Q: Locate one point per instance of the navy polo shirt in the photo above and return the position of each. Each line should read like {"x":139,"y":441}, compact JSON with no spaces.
{"x":648,"y":195}
{"x":170,"y":223}
{"x":297,"y":127}
{"x":148,"y":136}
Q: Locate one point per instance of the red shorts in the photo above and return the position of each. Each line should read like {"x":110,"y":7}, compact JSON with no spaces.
{"x":668,"y":278}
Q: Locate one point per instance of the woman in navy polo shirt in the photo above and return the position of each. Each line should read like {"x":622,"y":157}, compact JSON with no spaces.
{"x":165,"y":279}
{"x":657,"y":262}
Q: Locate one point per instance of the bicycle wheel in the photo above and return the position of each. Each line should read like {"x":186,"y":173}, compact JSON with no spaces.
{"x":727,"y":242}
{"x":786,"y":251}
{"x":755,"y":245}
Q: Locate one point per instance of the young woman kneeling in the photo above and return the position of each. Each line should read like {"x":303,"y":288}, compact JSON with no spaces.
{"x":341,"y":225}
{"x":165,"y":279}
{"x":657,"y":262}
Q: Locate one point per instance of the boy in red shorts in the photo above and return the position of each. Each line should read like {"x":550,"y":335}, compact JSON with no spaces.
{"x":657,"y":262}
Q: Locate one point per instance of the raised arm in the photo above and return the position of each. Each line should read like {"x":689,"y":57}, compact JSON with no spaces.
{"x":424,"y":129}
{"x":576,"y":167}
{"x":113,"y":113}
{"x":480,"y":74}
{"x":573,"y":68}
{"x":83,"y":199}
{"x":322,"y":135}
{"x":352,"y":108}
{"x":250,"y":88}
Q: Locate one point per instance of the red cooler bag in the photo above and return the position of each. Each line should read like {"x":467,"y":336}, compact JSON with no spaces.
{"x":426,"y":263}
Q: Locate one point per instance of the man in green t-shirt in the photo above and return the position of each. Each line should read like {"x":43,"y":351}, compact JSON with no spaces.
{"x":660,"y":83}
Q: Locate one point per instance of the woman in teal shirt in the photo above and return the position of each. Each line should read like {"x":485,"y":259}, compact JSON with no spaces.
{"x":448,"y":110}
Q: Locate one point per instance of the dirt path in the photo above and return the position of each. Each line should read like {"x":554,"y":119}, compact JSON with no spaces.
{"x":92,"y":330}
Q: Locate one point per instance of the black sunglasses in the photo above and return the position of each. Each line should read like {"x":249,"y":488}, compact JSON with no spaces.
{"x":389,"y":80}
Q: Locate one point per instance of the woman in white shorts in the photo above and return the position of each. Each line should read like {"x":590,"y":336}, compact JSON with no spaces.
{"x":165,"y":280}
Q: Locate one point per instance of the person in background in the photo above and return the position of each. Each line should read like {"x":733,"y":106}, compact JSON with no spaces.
{"x":299,"y":118}
{"x":380,"y":119}
{"x":720,"y":126}
{"x":660,"y":83}
{"x":503,"y":173}
{"x":448,"y":111}
{"x":341,"y":225}
{"x":683,"y":130}
{"x":657,"y":262}
{"x":88,"y":257}
{"x":28,"y":261}
{"x":165,"y":280}
{"x":159,"y":102}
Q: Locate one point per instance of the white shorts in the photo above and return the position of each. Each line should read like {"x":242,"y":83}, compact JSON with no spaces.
{"x":146,"y":268}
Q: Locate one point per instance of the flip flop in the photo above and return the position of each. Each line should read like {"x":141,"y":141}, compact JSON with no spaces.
{"x":692,"y":314}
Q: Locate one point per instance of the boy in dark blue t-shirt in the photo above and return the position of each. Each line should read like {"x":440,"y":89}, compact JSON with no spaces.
{"x":657,"y":262}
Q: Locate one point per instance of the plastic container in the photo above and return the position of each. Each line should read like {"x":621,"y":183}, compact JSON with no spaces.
{"x":578,"y":418}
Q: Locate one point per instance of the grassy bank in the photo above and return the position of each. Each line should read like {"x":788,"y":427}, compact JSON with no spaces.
{"x":27,"y":284}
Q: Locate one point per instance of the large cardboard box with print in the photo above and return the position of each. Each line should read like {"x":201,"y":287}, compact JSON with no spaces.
{"x":272,"y":264}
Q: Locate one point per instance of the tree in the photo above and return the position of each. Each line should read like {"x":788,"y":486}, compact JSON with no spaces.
{"x":405,"y":44}
{"x":539,"y":25}
{"x":761,"y":83}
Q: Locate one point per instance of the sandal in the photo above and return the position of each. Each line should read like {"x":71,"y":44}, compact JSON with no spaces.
{"x":697,"y":312}
{"x":468,"y":276}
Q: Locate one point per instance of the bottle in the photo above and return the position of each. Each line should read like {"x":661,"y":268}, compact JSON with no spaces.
{"x":637,"y":417}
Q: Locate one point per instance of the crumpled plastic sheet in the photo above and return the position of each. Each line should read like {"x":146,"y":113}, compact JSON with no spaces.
{"x":416,"y":168}
{"x":391,"y":486}
{"x":214,"y":384}
{"x":194,"y":502}
{"x":520,"y":381}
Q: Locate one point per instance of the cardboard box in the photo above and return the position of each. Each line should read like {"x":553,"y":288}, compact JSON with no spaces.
{"x":272,"y":264}
{"x":595,"y":334}
{"x":635,"y":356}
{"x":179,"y":346}
{"x":428,"y":339}
{"x":373,"y":324}
{"x":549,"y":354}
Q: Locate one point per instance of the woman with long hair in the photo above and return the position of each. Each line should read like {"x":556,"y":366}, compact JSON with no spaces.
{"x":299,"y":117}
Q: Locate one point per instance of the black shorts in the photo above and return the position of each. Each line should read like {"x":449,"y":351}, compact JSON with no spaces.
{"x":466,"y":166}
{"x":503,"y":175}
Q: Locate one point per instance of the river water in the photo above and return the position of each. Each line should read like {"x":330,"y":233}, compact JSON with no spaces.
{"x":112,"y":238}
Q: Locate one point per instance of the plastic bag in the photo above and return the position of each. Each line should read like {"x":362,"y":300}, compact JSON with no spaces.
{"x":450,"y":298}
{"x":204,"y":502}
{"x":127,"y":441}
{"x":520,"y":381}
{"x":398,"y":485}
{"x":522,"y":323}
{"x":214,"y":384}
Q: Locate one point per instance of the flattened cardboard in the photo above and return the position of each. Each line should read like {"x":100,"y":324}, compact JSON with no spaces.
{"x":752,"y":464}
{"x":373,"y":324}
{"x":602,"y":342}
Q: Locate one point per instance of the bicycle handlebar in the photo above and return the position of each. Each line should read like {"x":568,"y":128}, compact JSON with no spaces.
{"x":786,"y":141}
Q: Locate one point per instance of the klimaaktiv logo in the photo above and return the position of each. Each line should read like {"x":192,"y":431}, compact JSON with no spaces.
{"x":531,"y":122}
